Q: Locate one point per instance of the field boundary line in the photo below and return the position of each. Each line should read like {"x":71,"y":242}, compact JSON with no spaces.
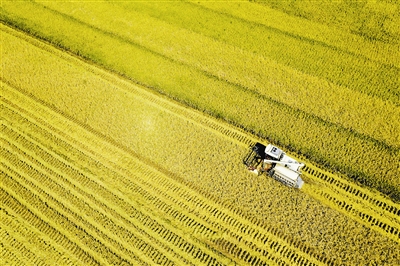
{"x":118,"y":77}
{"x":238,"y":86}
{"x":172,"y":106}
{"x":160,"y":100}
{"x":310,"y":40}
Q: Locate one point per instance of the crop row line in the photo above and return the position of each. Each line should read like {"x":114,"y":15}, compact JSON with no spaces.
{"x":179,"y":216}
{"x":8,"y":256}
{"x":13,"y":226}
{"x":18,"y":248}
{"x":124,"y":233}
{"x":247,"y":234}
{"x":248,"y":141}
{"x":190,"y":222}
{"x":244,"y":230}
{"x":219,"y":129}
{"x":384,"y":228}
{"x":67,"y":183}
{"x":55,"y":211}
{"x":61,"y":165}
{"x":10,"y":200}
{"x":73,"y":217}
{"x":246,"y":253}
{"x":302,"y":247}
{"x":351,"y":190}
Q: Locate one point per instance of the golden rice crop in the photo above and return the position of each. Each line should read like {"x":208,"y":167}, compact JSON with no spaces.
{"x":375,"y":21}
{"x":353,"y":123}
{"x":311,"y":29}
{"x":181,"y":148}
{"x":348,"y":108}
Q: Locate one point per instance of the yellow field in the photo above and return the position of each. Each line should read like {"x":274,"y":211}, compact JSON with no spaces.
{"x":97,"y":170}
{"x":313,"y":87}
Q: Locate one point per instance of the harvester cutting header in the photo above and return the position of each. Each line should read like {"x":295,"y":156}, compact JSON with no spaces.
{"x":275,"y":163}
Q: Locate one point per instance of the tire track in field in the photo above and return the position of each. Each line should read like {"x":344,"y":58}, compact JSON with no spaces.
{"x":359,"y":202}
{"x":47,"y":197}
{"x":179,"y":215}
{"x":207,"y":122}
{"x":8,"y":256}
{"x":39,"y":200}
{"x":369,"y":219}
{"x":16,"y":247}
{"x":13,"y":227}
{"x":351,"y":191}
{"x":262,"y":239}
{"x":216,"y":126}
{"x":142,"y":219}
{"x":10,"y":200}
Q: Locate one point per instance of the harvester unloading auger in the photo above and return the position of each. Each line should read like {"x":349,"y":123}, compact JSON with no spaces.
{"x":275,"y":163}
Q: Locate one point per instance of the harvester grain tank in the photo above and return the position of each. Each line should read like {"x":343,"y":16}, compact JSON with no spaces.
{"x":275,"y":163}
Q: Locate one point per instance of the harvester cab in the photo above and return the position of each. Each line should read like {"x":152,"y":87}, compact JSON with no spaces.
{"x":275,"y":163}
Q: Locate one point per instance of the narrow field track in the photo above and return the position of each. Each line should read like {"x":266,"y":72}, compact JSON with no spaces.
{"x":100,"y":202}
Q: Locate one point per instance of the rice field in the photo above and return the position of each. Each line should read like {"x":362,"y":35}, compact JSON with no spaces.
{"x":101,"y":167}
{"x":294,"y":77}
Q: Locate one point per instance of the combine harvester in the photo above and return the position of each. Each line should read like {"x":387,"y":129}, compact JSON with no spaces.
{"x":274,"y":162}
